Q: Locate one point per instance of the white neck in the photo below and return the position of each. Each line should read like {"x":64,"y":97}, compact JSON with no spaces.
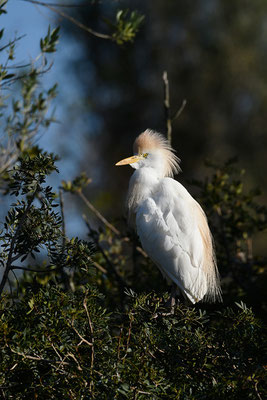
{"x":141,"y":184}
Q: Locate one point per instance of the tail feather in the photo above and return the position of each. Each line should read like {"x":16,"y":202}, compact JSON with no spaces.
{"x":209,"y":263}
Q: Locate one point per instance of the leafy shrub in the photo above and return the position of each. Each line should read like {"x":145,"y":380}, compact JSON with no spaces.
{"x":58,"y":344}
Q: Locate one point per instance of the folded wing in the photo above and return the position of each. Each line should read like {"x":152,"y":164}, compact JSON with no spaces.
{"x":176,"y":236}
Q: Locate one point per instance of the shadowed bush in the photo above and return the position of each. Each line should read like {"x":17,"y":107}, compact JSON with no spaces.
{"x":64,"y":345}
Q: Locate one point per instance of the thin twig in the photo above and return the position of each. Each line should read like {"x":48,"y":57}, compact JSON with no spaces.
{"x":37,"y":358}
{"x":179,"y":111}
{"x":16,"y":257}
{"x":98,"y":214}
{"x":20,"y":77}
{"x":120,"y":281}
{"x":13,"y":41}
{"x":91,"y":386}
{"x":75,"y":359}
{"x":55,"y":350}
{"x":71,"y":19}
{"x":61,"y":202}
{"x":64,"y":276}
{"x":108,"y":224}
{"x":49,"y":269}
{"x":65,"y":5}
{"x":80,"y":336}
{"x":10,"y":287}
{"x":142,"y":392}
{"x":128,"y":338}
{"x":167,"y":106}
{"x":98,"y":266}
{"x":119,"y":344}
{"x":256,"y":390}
{"x":15,"y":276}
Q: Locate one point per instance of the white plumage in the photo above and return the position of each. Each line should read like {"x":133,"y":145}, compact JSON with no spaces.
{"x":171,"y":225}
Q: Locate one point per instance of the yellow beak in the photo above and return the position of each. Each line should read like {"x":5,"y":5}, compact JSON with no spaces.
{"x":129,"y":160}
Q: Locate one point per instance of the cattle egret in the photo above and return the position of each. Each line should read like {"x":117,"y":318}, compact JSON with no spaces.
{"x":171,"y":225}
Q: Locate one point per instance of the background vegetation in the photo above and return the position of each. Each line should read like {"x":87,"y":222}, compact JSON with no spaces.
{"x":80,"y":316}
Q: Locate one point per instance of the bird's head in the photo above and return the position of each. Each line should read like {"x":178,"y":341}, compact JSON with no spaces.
{"x":152,"y":150}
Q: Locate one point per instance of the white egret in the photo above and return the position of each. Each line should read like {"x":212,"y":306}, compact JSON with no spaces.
{"x":171,"y":225}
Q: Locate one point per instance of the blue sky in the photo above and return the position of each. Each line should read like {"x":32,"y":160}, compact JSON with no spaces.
{"x":32,"y":21}
{"x":27,"y":19}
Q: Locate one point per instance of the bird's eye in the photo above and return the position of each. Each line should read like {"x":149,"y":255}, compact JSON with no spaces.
{"x":145,"y":155}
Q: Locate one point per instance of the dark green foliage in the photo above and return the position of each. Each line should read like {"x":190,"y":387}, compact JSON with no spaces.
{"x":235,"y":216}
{"x":32,"y":224}
{"x":225,"y":197}
{"x":62,"y":345}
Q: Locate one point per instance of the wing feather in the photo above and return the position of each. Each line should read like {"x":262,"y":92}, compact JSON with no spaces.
{"x":176,"y":236}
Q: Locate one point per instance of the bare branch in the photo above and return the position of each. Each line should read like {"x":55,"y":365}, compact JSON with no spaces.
{"x":128,"y":338}
{"x":64,"y":5}
{"x":35,"y":358}
{"x":49,"y":269}
{"x":119,"y":279}
{"x":256,"y":390}
{"x":75,"y":359}
{"x":179,"y":111}
{"x":98,"y":266}
{"x":64,"y":275}
{"x":80,"y":336}
{"x":71,"y":19}
{"x":98,"y":214}
{"x":61,"y":202}
{"x":92,"y":341}
{"x":167,"y":106}
{"x":12,"y":42}
{"x":108,"y":224}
